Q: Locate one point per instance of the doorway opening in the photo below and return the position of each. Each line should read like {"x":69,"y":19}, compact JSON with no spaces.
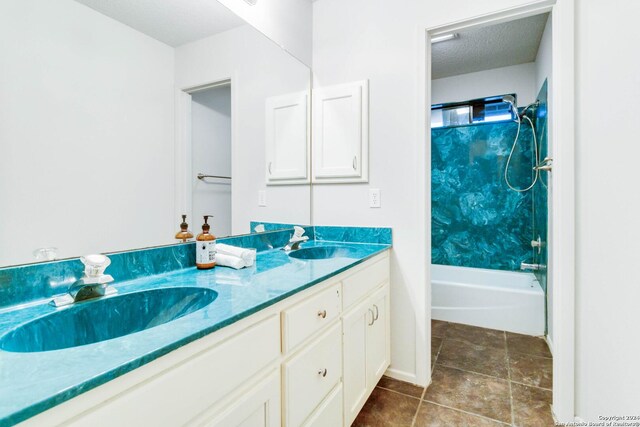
{"x":210,"y":144}
{"x":494,"y":107}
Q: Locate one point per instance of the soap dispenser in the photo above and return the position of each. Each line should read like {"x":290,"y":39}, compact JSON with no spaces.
{"x":184,"y":234}
{"x":205,"y":247}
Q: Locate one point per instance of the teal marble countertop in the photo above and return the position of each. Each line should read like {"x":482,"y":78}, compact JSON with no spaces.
{"x":31,"y":383}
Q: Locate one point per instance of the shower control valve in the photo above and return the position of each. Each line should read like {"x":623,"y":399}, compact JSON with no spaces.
{"x":532,"y":267}
{"x":538,"y":243}
{"x":545,"y":165}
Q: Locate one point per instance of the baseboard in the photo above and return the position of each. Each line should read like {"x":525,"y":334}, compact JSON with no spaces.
{"x":407,"y":377}
{"x":547,"y":338}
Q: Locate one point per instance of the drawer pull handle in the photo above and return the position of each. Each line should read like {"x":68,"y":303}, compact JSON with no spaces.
{"x":377,"y":313}
{"x":322,"y":314}
{"x":322,"y":372}
{"x":372,"y":318}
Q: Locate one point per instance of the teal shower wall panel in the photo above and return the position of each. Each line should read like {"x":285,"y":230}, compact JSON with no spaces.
{"x":477,"y":221}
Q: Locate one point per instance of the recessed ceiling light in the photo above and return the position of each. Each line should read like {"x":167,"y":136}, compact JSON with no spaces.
{"x":444,"y":38}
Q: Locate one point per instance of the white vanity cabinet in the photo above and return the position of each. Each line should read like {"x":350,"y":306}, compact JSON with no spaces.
{"x":366,"y":349}
{"x":310,"y":360}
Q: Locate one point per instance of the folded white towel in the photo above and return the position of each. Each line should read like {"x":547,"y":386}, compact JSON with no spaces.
{"x":247,"y":255}
{"x":230,"y":261}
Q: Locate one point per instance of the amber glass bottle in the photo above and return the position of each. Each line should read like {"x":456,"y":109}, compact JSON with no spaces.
{"x":206,"y":247}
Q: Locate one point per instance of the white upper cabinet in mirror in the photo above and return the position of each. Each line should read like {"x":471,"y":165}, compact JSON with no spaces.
{"x":109,"y":110}
{"x":288,"y":139}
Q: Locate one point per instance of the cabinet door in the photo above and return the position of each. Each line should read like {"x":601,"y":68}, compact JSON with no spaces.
{"x":287,"y":139}
{"x":355,"y":329}
{"x":378,"y":340}
{"x":257,"y":407}
{"x":340,"y":133}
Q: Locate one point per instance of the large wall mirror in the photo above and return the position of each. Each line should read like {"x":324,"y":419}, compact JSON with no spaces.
{"x":118,"y":116}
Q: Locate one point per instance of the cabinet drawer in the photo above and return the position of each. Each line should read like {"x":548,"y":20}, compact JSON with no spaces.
{"x":309,"y":316}
{"x":311,"y":375}
{"x":175,"y":396}
{"x":330,"y":411}
{"x":364,"y":281}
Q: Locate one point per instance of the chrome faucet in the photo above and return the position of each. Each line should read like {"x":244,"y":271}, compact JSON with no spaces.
{"x":296,"y":239}
{"x":294,"y":245}
{"x":81,"y":291}
{"x":94,"y":283}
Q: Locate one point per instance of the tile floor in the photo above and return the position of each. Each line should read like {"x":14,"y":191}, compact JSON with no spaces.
{"x":480,"y":377}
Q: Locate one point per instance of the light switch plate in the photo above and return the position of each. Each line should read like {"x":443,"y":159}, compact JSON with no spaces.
{"x":374,"y":198}
{"x":262,"y":198}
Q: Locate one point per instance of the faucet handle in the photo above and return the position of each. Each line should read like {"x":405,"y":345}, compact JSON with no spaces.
{"x":95,"y":264}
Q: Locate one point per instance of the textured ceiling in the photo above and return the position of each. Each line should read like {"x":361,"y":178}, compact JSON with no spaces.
{"x":174,"y":22}
{"x":478,"y":49}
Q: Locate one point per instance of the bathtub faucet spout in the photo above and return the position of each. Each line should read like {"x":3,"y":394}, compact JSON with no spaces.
{"x":532,"y":267}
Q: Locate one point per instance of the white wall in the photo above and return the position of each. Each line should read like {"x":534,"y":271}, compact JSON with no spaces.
{"x":543,"y":58}
{"x":498,"y":81}
{"x":211,"y":155}
{"x":78,"y":90}
{"x":607,"y":156}
{"x":287,"y":22}
{"x":258,"y":69}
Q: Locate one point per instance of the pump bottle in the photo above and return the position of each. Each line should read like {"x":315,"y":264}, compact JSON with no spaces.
{"x":205,"y":247}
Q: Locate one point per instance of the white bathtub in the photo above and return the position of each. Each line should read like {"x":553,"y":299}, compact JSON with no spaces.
{"x":504,"y":300}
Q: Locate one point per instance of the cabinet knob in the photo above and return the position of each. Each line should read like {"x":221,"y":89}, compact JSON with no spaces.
{"x":322,"y":372}
{"x":322,"y":313}
{"x":377,"y":313}
{"x":270,"y":163}
{"x":355,"y":162}
{"x":372,"y":318}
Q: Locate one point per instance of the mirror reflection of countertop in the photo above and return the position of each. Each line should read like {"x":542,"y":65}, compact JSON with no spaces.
{"x":31,"y":383}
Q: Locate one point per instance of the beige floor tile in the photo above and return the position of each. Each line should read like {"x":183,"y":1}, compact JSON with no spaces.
{"x":438,"y":328}
{"x":387,"y":408}
{"x":474,"y":393}
{"x":484,"y":360}
{"x":432,"y":415}
{"x":526,"y":344}
{"x":531,"y":370}
{"x":475,"y":335}
{"x":531,"y":406}
{"x":401,"y":387}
